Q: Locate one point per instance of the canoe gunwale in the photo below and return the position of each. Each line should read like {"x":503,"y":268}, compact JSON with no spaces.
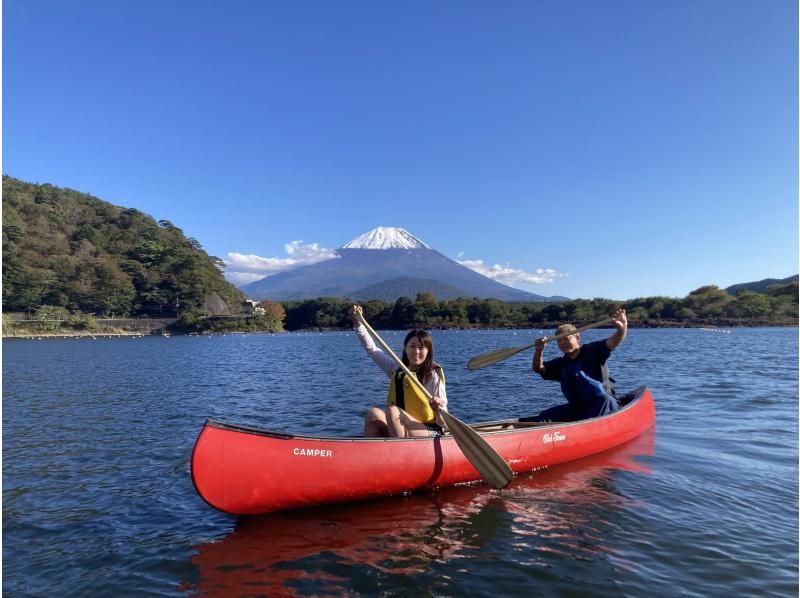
{"x":243,"y":470}
{"x":627,"y":401}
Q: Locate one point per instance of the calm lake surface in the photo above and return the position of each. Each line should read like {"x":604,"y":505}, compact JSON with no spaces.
{"x":98,"y":499}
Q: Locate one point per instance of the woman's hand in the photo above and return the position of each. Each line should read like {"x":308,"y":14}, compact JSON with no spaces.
{"x":437,"y":403}
{"x":356,"y":312}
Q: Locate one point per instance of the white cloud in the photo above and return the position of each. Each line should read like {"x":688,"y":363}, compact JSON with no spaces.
{"x":242,"y":278}
{"x":511,"y":276}
{"x":243,"y":268}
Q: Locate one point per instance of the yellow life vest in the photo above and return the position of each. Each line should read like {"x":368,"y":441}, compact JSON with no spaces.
{"x":406,"y":395}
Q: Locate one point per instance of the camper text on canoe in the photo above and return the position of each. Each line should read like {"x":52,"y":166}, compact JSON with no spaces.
{"x":301,"y":452}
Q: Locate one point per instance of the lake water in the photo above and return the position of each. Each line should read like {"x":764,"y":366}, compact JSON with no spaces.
{"x":98,"y":499}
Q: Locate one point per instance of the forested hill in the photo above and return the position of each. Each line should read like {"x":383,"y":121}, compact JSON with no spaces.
{"x":69,"y":249}
{"x":760,"y":286}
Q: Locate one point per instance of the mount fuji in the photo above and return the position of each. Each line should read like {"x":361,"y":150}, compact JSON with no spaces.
{"x":385,"y":263}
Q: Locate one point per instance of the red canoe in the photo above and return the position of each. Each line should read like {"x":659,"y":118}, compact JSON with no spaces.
{"x":243,"y":470}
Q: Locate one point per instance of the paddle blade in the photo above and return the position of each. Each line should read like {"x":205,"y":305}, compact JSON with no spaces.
{"x":479,"y":453}
{"x":492,"y":357}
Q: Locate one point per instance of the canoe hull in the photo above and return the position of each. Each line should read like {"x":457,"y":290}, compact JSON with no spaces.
{"x":243,"y":470}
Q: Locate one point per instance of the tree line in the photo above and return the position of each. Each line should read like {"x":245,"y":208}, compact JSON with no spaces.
{"x":708,"y":305}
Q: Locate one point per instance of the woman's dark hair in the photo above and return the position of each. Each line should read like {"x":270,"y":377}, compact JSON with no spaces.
{"x":424,"y":371}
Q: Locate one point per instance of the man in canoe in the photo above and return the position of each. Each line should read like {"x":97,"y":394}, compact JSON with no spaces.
{"x":408,"y":411}
{"x":582,"y":372}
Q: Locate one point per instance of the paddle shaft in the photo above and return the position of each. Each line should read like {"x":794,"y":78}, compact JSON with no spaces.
{"x":486,"y":359}
{"x":555,"y":337}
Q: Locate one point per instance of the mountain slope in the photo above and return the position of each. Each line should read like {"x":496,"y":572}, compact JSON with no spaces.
{"x":376,"y":257}
{"x":406,"y":286}
{"x":759,"y":286}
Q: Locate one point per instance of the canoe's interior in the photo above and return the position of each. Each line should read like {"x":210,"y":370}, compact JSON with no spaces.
{"x":482,"y":427}
{"x":494,"y":426}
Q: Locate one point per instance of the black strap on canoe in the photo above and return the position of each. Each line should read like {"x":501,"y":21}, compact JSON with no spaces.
{"x":400,"y":400}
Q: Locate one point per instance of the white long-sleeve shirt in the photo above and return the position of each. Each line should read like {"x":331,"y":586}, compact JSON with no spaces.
{"x":435,"y":385}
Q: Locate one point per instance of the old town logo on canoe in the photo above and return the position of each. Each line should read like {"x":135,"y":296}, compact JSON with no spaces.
{"x":301,"y":452}
{"x":554,"y":437}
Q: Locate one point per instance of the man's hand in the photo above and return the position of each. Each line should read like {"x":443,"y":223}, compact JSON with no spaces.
{"x":538,"y":350}
{"x":620,"y":319}
{"x":621,"y":322}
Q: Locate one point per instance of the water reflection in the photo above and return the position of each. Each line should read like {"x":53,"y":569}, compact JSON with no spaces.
{"x":319,"y":550}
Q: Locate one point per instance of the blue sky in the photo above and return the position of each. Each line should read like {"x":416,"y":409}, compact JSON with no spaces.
{"x":611,"y":148}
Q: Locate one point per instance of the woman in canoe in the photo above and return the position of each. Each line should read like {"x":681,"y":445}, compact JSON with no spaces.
{"x":408,"y":411}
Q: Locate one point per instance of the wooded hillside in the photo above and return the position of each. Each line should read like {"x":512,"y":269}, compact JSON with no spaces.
{"x":706,"y":306}
{"x":69,"y":249}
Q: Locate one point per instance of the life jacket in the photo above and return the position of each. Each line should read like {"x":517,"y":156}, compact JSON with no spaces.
{"x":406,"y":395}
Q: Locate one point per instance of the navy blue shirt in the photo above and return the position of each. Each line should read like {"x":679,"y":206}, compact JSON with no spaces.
{"x":591,"y":360}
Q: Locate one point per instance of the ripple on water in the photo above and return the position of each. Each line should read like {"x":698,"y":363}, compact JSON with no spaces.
{"x":98,"y":500}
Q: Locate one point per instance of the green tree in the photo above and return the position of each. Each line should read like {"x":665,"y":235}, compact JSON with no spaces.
{"x":79,"y":321}
{"x":403,"y":313}
{"x":454,"y":312}
{"x":708,"y":300}
{"x":750,"y":305}
{"x":638,"y":314}
{"x":50,"y":317}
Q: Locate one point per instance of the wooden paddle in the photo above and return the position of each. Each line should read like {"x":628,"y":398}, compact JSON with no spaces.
{"x":492,"y":357}
{"x":486,"y":461}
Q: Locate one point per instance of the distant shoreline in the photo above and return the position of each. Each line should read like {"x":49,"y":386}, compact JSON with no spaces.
{"x":132,"y":334}
{"x":30,"y":335}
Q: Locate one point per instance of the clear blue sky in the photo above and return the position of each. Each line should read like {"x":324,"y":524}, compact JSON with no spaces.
{"x":619,"y":148}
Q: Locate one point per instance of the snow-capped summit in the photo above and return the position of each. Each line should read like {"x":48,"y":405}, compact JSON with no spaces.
{"x":406,"y":268}
{"x":386,"y":237}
